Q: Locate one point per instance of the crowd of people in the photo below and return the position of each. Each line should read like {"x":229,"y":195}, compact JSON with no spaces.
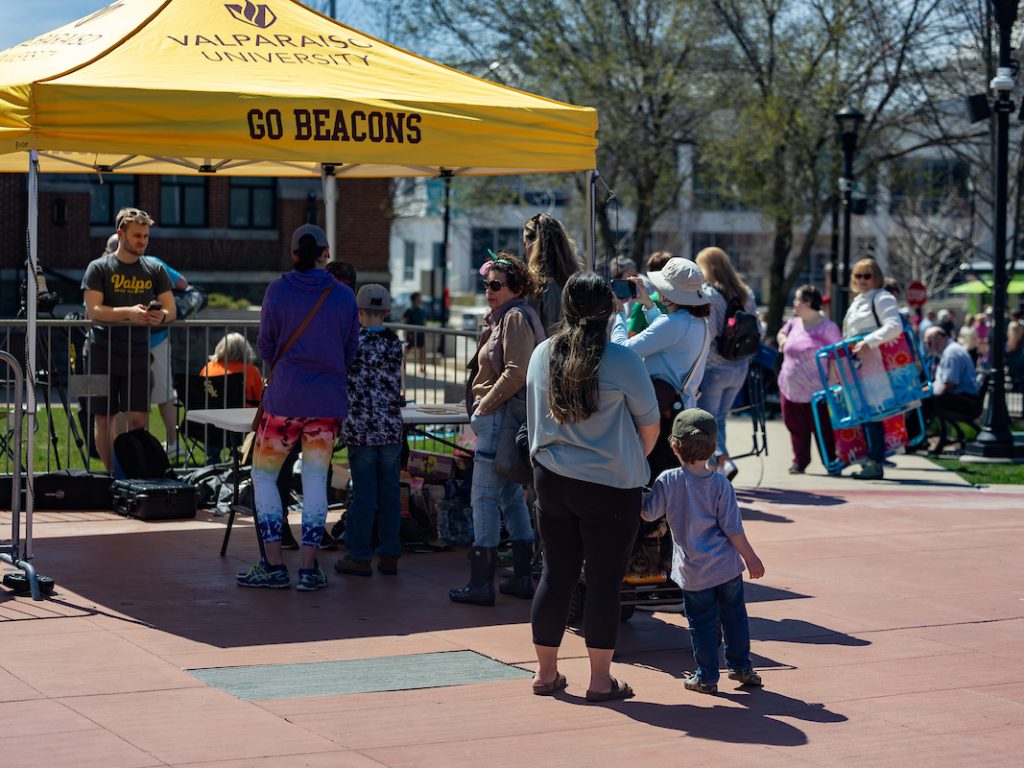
{"x":622,"y":398}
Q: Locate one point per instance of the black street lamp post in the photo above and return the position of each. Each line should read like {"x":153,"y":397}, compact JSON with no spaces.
{"x":995,"y":439}
{"x":849,"y":120}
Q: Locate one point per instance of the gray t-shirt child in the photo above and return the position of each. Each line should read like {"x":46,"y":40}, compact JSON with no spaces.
{"x":702,"y":512}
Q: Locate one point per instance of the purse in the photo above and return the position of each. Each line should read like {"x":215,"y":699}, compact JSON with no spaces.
{"x":288,"y":345}
{"x":509,"y":462}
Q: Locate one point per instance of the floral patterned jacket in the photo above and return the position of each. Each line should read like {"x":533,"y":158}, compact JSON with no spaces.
{"x":375,"y":390}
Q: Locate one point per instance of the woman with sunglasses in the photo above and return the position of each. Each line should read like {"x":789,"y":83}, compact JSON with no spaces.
{"x":875,"y":312}
{"x":551,"y":255}
{"x":592,"y":417}
{"x":498,"y":376}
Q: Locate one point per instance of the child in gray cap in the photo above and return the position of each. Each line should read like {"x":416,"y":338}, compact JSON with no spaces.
{"x":709,"y":551}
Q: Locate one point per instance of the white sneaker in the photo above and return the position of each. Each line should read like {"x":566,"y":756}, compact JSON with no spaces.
{"x":729,"y":469}
{"x":174,"y":451}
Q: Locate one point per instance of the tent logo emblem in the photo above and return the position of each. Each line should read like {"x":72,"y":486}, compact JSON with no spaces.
{"x":256,"y":15}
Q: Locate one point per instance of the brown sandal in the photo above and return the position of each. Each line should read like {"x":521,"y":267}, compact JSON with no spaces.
{"x":617,"y":691}
{"x":547,"y":689}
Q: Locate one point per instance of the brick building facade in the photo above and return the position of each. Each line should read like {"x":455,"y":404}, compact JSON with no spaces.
{"x":218,"y":254}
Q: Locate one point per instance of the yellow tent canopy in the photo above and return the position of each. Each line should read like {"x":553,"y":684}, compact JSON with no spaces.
{"x":265,"y":88}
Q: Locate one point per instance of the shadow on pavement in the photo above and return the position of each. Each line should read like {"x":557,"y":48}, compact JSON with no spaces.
{"x":750,"y":513}
{"x":788,"y":496}
{"x":753,"y":723}
{"x":798,"y":631}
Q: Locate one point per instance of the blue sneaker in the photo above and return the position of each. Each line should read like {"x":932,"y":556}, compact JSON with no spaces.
{"x":265,"y":575}
{"x":311,"y":580}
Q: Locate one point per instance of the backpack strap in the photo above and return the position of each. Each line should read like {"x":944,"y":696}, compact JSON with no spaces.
{"x":878,"y":323}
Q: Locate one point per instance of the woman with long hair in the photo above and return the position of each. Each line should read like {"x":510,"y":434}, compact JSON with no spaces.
{"x":723,"y":379}
{"x":592,"y":417}
{"x":673,"y":346}
{"x":497,"y":377}
{"x":551,"y":256}
{"x":875,"y":314}
{"x":799,"y":341}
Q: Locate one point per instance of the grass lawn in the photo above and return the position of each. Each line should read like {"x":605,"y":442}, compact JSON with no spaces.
{"x":985,"y":474}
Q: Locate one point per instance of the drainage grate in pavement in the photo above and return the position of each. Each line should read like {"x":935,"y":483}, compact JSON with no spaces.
{"x":385,"y":673}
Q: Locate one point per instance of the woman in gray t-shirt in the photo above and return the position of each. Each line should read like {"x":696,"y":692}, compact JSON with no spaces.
{"x":592,"y":417}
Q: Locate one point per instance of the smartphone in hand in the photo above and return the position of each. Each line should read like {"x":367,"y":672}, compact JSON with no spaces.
{"x":624,"y":289}
{"x":154,"y":306}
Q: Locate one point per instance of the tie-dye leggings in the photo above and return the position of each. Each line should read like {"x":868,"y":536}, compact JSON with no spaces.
{"x":275,"y":439}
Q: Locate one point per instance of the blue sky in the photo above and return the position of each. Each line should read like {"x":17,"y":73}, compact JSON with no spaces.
{"x":22,"y":20}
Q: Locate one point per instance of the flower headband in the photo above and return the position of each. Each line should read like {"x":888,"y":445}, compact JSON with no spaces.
{"x":494,"y":263}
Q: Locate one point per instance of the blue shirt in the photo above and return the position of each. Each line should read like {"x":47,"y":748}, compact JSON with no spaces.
{"x":158,"y":336}
{"x":702,"y":513}
{"x":956,"y":371}
{"x":671,"y":347}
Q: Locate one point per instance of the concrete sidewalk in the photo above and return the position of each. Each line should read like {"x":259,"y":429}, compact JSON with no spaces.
{"x":888,"y":630}
{"x":912,"y":470}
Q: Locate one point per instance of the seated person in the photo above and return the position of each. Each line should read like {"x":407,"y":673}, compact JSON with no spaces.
{"x":955,"y":389}
{"x":233,"y":354}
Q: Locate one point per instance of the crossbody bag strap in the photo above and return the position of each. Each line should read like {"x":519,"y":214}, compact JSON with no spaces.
{"x":703,"y":353}
{"x":298,"y":331}
{"x":874,"y":311}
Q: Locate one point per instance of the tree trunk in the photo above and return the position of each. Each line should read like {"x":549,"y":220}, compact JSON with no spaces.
{"x":782,"y":244}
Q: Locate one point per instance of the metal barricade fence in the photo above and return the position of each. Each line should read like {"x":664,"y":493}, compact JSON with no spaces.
{"x":71,"y":389}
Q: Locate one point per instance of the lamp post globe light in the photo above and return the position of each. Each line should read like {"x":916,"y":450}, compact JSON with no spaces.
{"x":995,"y":439}
{"x":849,"y":121}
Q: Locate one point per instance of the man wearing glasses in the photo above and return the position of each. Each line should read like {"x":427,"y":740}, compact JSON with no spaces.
{"x":125,"y":296}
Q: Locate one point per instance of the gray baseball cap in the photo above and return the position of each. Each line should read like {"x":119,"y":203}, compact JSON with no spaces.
{"x":309,"y":229}
{"x":375,"y":297}
{"x":695,"y":425}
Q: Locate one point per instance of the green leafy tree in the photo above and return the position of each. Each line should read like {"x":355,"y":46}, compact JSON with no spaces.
{"x":785,"y":68}
{"x":635,"y":62}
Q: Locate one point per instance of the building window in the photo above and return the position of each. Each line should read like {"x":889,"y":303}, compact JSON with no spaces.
{"x":107,"y":195}
{"x":253,"y":203}
{"x":409,"y":262}
{"x":503,"y":239}
{"x":182,"y":201}
{"x":928,"y":184}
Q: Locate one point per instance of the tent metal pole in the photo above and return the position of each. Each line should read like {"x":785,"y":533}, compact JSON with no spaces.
{"x":590,"y":235}
{"x":330,"y":192}
{"x":31,"y":295}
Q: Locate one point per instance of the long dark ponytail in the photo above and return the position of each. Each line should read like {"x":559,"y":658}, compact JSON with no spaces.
{"x":577,"y":349}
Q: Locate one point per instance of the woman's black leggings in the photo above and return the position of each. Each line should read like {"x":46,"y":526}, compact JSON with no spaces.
{"x":582,"y":524}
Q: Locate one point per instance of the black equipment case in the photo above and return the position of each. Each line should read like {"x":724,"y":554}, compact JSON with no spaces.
{"x":150,"y":491}
{"x":155,"y":499}
{"x":69,"y":489}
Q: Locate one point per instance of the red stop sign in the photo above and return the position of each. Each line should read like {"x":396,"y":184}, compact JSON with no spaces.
{"x":917,"y":294}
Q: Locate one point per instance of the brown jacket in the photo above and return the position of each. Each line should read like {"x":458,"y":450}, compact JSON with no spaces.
{"x":493,"y":388}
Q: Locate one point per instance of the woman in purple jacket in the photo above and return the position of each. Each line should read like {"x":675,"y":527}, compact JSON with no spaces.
{"x":306,"y":400}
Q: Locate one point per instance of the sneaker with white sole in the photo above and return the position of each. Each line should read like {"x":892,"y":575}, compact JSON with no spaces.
{"x":174,"y":451}
{"x":729,"y":469}
{"x":311,"y":579}
{"x":265,"y":575}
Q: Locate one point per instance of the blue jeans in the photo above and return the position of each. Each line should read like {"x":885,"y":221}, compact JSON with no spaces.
{"x":718,"y":392}
{"x":375,"y":492}
{"x":493,"y":496}
{"x":723,"y":603}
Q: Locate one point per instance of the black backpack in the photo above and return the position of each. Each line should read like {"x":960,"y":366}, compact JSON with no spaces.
{"x":140,"y":456}
{"x":740,"y":337}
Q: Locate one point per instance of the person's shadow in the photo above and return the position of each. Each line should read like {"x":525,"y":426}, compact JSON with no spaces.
{"x":753,"y":723}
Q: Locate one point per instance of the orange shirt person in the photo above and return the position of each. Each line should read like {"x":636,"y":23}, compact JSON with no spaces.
{"x":233,"y":354}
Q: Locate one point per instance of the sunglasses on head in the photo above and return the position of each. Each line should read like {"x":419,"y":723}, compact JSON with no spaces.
{"x":494,"y":285}
{"x":864,"y":276}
